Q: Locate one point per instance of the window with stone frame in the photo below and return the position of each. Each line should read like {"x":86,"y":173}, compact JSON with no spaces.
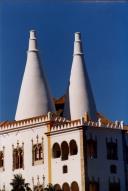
{"x":112,"y":150}
{"x":1,"y":159}
{"x":18,"y":158}
{"x":38,"y":152}
{"x":92,"y":148}
{"x":113,"y":169}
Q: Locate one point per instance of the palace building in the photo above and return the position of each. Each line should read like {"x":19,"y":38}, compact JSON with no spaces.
{"x":63,"y":141}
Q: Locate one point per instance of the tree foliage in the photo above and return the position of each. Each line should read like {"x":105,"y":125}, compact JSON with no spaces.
{"x":18,"y":183}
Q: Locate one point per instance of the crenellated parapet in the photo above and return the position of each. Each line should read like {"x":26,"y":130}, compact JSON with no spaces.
{"x":50,"y":118}
{"x":83,"y":121}
{"x":100,"y":123}
{"x":25,"y":122}
{"x":67,"y":125}
{"x":59,"y":123}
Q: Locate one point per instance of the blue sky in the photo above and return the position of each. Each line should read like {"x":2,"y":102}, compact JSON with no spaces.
{"x":104,"y":28}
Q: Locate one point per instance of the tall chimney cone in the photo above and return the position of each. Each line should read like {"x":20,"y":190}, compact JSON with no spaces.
{"x":35,"y":98}
{"x":79,"y":98}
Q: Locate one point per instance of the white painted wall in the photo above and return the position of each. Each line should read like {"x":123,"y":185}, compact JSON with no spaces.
{"x":73,"y":163}
{"x":29,"y":171}
{"x":100,"y":167}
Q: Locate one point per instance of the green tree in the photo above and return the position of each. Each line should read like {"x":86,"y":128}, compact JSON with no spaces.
{"x":18,"y":183}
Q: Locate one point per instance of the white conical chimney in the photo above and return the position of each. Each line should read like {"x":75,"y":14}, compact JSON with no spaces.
{"x":35,"y":98}
{"x":79,"y":98}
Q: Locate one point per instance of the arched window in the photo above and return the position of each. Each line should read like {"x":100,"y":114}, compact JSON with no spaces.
{"x":18,"y":158}
{"x":56,"y":150}
{"x":74,"y":186}
{"x":92,"y":148}
{"x":73,"y":147}
{"x":1,"y":159}
{"x":57,"y":187}
{"x":20,"y":153}
{"x":38,"y":152}
{"x":65,"y":187}
{"x":64,"y":150}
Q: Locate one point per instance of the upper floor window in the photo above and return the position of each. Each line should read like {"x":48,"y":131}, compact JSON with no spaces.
{"x":112,"y":150}
{"x":37,"y":152}
{"x":113,"y":169}
{"x":64,"y":150}
{"x":18,"y":158}
{"x":73,"y":147}
{"x":92,"y":148}
{"x":1,"y":159}
{"x":56,"y":150}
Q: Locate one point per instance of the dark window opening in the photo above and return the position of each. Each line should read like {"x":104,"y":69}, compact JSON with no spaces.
{"x":113,"y":169}
{"x":74,"y":186}
{"x":56,"y":152}
{"x":112,"y":151}
{"x":65,"y":169}
{"x":57,"y":187}
{"x":73,"y":147}
{"x":91,"y":148}
{"x":18,"y":158}
{"x":65,"y":150}
{"x":1,"y":159}
{"x":37,"y":152}
{"x":65,"y":187}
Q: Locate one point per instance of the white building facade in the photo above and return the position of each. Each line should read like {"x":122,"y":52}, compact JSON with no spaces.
{"x":76,"y":149}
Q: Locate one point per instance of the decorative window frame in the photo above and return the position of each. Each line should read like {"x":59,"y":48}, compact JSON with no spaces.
{"x":111,"y":141}
{"x":2,"y":168}
{"x":95,"y":145}
{"x":37,"y":145}
{"x":13,"y":156}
